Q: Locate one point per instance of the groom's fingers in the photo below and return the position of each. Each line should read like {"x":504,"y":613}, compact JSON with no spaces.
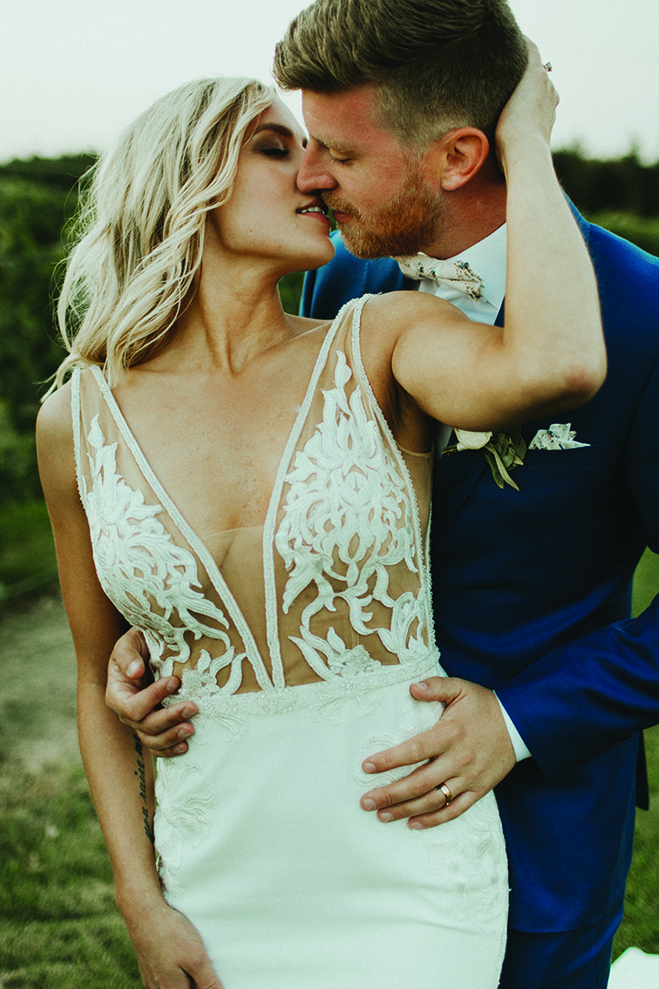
{"x":427,"y":745}
{"x":416,"y":793}
{"x":137,"y":702}
{"x":469,"y":747}
{"x":430,"y":819}
{"x":164,"y":732}
{"x":429,"y":799}
{"x":161,"y":730}
{"x":426,"y":753}
{"x":418,"y":783}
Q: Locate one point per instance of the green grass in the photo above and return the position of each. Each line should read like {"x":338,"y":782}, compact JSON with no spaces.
{"x":646,"y":582}
{"x":640,"y":925}
{"x":59,"y":928}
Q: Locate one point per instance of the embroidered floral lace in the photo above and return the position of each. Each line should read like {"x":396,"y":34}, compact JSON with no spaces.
{"x":343,"y":594}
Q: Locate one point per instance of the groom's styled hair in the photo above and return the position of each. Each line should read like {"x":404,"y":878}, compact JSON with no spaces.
{"x":437,"y":64}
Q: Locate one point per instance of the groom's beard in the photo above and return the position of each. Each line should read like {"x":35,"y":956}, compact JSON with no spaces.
{"x":410,"y":220}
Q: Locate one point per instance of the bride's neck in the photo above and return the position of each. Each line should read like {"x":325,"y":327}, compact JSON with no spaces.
{"x":234,"y":314}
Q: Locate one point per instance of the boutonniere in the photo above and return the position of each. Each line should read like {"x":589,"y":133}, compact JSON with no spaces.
{"x":503,"y":451}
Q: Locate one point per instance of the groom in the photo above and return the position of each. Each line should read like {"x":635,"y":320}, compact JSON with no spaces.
{"x":531,"y":587}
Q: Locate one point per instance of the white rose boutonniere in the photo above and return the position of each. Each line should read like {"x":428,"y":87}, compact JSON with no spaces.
{"x":502,"y":451}
{"x":471,"y":441}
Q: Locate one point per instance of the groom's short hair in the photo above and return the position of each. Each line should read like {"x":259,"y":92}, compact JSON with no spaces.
{"x":437,"y":64}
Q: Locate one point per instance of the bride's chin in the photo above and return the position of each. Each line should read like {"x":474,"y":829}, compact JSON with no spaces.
{"x":309,"y":260}
{"x":321,"y":256}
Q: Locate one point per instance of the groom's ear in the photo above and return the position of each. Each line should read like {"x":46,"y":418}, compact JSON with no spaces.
{"x":457,"y":156}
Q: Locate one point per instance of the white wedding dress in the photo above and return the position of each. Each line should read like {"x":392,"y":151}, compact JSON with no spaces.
{"x":298,"y":640}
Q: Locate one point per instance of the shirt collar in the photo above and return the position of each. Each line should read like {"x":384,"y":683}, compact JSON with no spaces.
{"x":488,"y":259}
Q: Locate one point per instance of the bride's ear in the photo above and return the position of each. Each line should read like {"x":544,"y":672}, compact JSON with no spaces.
{"x":457,"y":156}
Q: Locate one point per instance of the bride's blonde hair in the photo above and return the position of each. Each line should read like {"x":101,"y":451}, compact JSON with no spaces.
{"x":141,"y":228}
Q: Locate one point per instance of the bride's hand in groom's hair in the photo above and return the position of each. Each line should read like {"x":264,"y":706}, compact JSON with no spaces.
{"x":468,"y":752}
{"x":531,"y":110}
{"x":136,"y":701}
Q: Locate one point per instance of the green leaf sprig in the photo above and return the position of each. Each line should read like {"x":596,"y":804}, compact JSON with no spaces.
{"x":503,"y":451}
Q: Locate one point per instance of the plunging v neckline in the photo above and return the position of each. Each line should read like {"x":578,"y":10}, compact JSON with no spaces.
{"x":158,"y":486}
{"x":198,"y":544}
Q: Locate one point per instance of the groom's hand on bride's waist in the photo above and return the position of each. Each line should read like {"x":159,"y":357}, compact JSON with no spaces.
{"x":136,"y":700}
{"x":455,"y":763}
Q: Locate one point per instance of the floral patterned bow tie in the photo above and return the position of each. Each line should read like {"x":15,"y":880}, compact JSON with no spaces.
{"x":456,"y":275}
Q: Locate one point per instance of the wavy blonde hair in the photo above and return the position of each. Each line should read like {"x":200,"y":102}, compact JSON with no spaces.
{"x":141,"y":228}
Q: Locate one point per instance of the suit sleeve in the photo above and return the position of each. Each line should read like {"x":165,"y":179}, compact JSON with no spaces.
{"x":590,"y":694}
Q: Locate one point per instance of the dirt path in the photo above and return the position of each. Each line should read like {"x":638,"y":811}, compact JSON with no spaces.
{"x":37,"y":686}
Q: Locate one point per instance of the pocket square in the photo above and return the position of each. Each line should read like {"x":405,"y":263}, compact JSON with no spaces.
{"x":558,"y":437}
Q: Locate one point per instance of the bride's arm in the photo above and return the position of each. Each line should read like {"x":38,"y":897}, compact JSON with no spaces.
{"x":120,"y":779}
{"x":550,"y":353}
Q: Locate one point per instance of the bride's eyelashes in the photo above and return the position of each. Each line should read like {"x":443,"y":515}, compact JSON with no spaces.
{"x":274,"y":151}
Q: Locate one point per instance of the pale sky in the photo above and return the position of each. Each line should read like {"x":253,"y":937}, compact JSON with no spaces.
{"x":73,"y":73}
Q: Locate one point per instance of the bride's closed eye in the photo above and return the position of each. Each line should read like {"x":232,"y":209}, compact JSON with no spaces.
{"x":274,"y":150}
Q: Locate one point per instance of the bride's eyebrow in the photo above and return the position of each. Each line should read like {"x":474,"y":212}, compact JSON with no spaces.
{"x":280,"y":129}
{"x":277,"y":128}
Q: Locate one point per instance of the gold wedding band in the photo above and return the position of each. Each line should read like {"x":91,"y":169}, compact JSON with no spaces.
{"x":447,"y":793}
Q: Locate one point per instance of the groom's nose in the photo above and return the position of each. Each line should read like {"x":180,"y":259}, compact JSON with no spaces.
{"x":315,"y":171}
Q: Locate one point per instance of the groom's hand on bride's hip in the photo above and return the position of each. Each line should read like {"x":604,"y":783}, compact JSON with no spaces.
{"x":455,"y":763}
{"x":136,"y":700}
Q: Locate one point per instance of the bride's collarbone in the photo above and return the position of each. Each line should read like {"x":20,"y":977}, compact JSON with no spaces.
{"x":215,"y":450}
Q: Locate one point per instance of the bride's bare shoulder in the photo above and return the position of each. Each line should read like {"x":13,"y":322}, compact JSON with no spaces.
{"x":395,"y":308}
{"x":54,"y":419}
{"x":55,"y":452}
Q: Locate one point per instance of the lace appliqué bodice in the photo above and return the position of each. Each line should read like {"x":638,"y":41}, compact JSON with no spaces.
{"x":345,"y":580}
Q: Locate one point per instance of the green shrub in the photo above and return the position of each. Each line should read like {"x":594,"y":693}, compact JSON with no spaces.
{"x":642,"y":232}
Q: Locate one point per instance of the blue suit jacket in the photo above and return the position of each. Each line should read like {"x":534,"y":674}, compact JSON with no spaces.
{"x":532,"y":597}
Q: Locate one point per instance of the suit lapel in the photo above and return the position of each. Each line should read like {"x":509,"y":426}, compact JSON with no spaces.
{"x":455,"y":477}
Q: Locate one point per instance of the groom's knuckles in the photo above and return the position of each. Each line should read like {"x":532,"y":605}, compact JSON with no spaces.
{"x":411,"y":787}
{"x":166,"y":742}
{"x":419,"y":748}
{"x":455,"y":809}
{"x":424,"y":804}
{"x":132,"y":705}
{"x":445,"y":689}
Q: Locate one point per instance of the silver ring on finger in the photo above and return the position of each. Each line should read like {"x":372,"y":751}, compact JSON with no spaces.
{"x":447,"y":793}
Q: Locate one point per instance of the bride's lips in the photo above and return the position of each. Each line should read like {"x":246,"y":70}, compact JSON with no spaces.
{"x":315,"y":208}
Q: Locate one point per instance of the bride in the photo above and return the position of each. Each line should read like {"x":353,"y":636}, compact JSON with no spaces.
{"x":251,"y":489}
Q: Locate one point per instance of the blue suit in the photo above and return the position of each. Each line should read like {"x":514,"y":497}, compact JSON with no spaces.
{"x":532,"y":594}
